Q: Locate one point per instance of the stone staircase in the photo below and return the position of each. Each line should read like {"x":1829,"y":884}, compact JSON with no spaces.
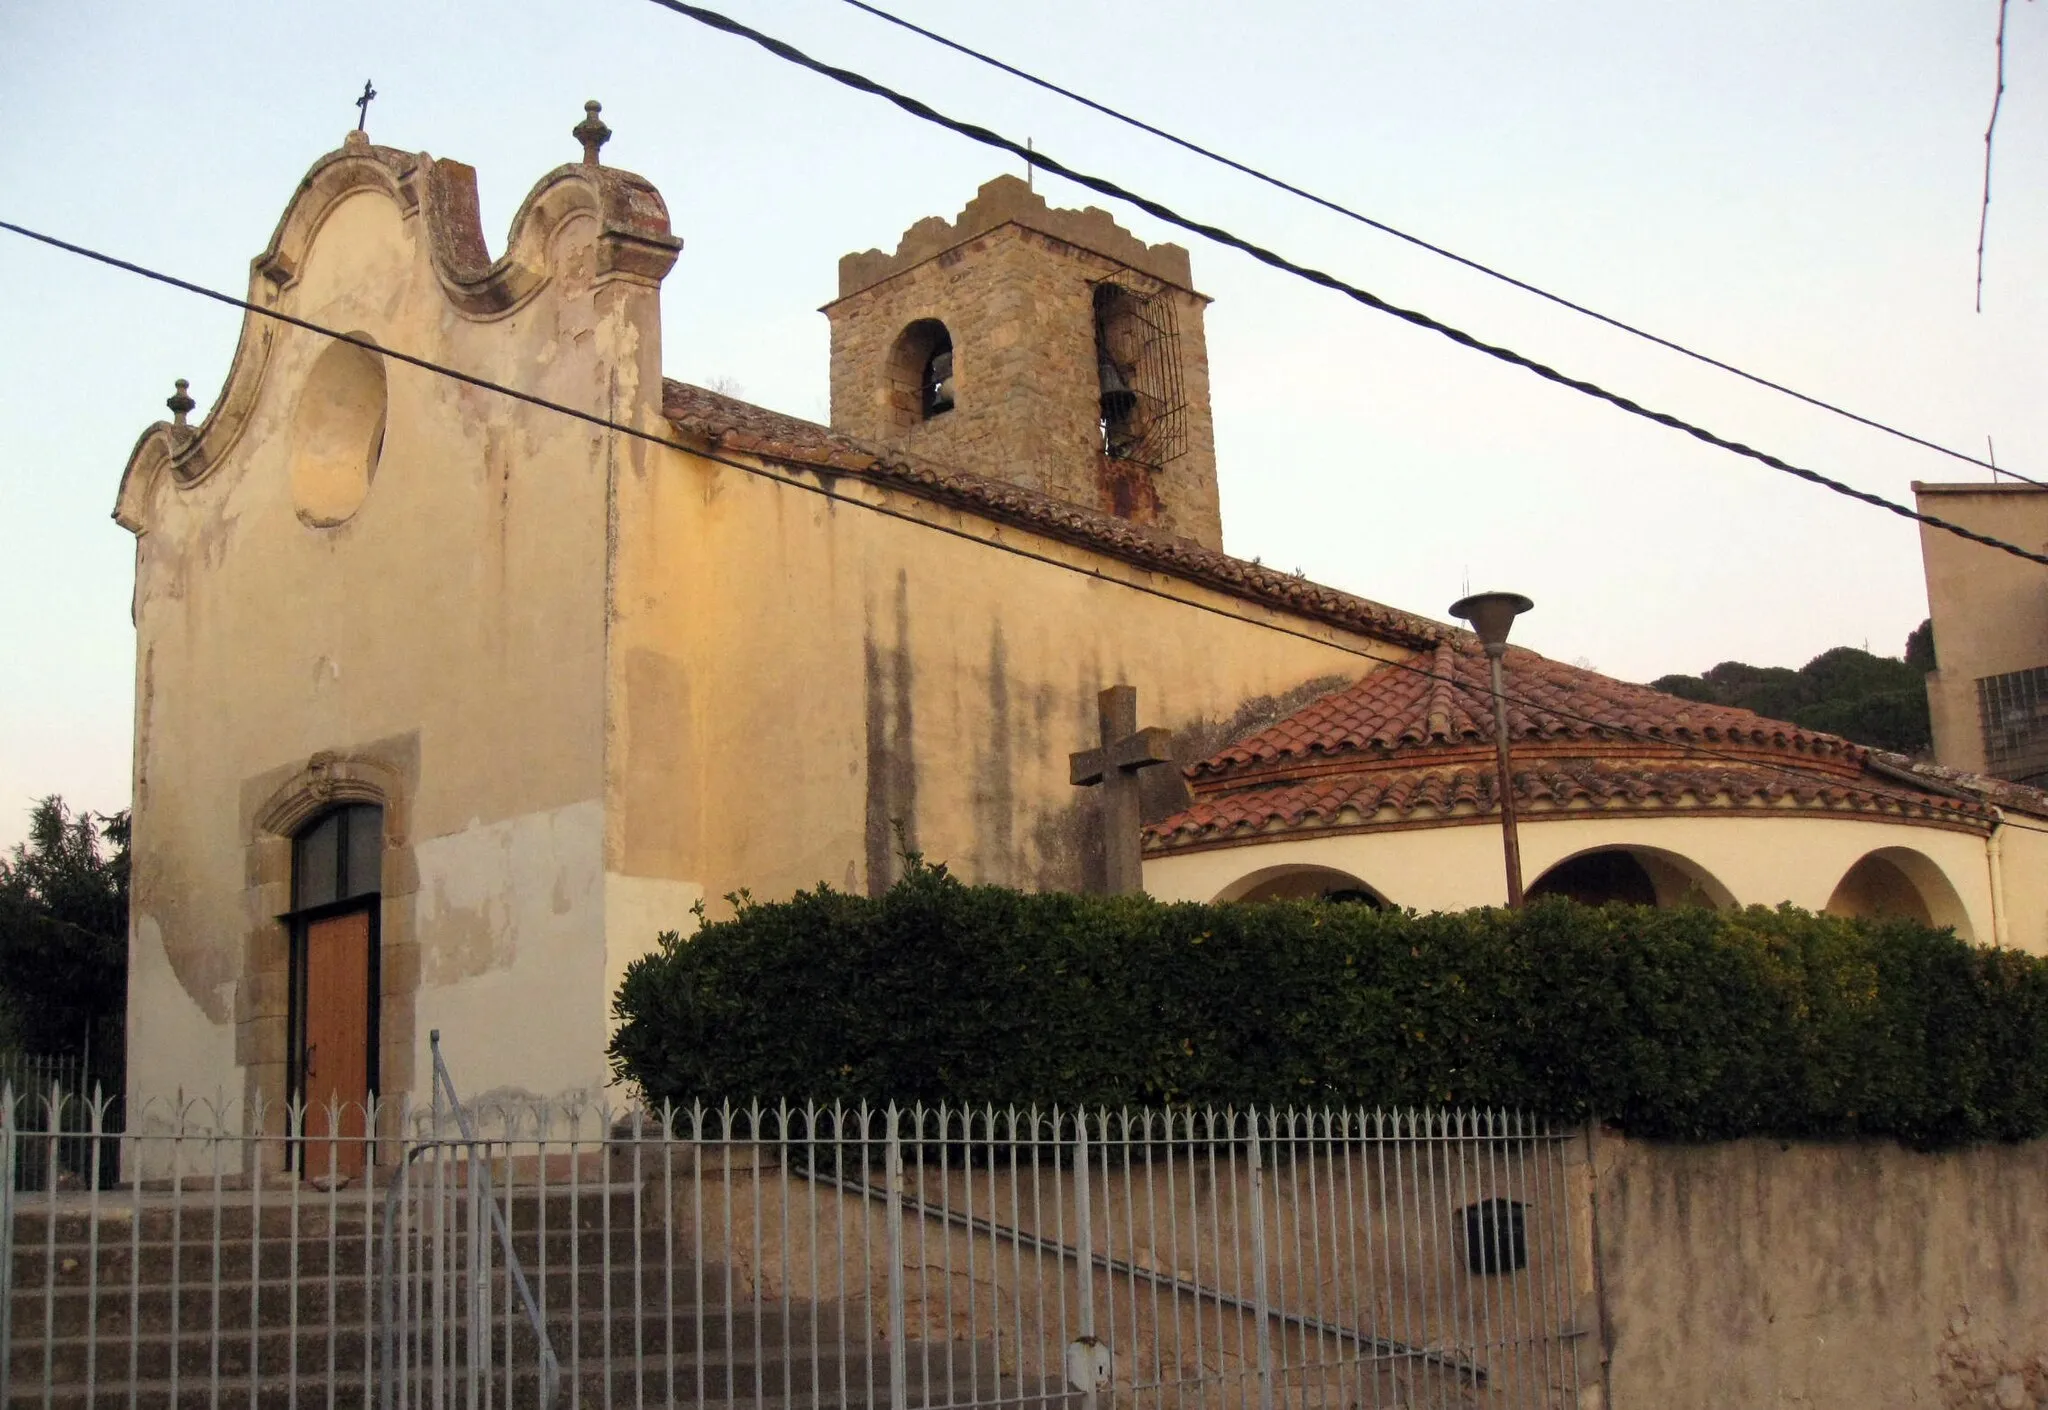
{"x":194,"y":1305}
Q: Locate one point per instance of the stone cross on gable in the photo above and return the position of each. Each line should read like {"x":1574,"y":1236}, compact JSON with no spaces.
{"x":1114,"y":765}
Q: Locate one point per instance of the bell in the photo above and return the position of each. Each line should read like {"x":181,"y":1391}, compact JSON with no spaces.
{"x":1118,"y":400}
{"x":938,"y":383}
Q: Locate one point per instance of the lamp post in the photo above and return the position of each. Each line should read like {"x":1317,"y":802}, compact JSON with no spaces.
{"x":1492,"y":614}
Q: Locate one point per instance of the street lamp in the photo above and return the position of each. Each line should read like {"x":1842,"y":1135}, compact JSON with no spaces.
{"x":1492,"y":615}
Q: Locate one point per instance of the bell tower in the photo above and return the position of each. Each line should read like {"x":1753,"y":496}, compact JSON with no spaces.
{"x":1049,"y":348}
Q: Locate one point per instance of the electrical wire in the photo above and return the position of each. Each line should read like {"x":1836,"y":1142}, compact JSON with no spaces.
{"x":987,"y":138}
{"x":1017,"y":550}
{"x":1489,"y":271}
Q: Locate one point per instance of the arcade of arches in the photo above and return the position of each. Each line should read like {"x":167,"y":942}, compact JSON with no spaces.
{"x":1888,"y":880}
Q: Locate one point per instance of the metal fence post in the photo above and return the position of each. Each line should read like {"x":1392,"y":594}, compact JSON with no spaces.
{"x":1261,"y":1307}
{"x":477,"y":1314}
{"x":7,"y":1242}
{"x":899,"y":1366}
{"x":1084,"y":1254}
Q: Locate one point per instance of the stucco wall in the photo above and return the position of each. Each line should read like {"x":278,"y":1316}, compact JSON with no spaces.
{"x":792,"y":678}
{"x":1990,"y":609}
{"x":1829,"y":1277}
{"x":446,"y":638}
{"x":1749,"y":857}
{"x":2023,"y":878}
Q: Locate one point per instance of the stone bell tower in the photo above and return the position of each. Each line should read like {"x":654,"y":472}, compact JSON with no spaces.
{"x":1049,"y":348}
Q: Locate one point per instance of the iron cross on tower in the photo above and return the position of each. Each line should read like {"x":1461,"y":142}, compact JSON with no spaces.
{"x":1124,"y":750}
{"x":363,"y":104}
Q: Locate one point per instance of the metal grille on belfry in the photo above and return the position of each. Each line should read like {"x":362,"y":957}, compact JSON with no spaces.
{"x":1138,"y":335}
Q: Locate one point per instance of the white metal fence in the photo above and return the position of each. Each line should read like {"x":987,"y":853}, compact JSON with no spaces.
{"x":786,"y":1257}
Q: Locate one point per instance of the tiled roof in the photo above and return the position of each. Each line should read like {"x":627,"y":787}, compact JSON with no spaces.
{"x":1413,"y":743}
{"x":735,"y":426}
{"x":1446,"y":700}
{"x":1416,"y":794}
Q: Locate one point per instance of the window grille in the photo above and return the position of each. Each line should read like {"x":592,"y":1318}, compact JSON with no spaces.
{"x":1137,"y":347}
{"x":2013,"y":710}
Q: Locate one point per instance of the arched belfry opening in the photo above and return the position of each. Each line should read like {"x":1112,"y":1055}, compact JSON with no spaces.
{"x":918,"y":377}
{"x":1138,"y":376}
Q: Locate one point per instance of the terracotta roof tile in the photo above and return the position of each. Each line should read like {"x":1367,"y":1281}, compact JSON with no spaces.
{"x":1407,"y":795}
{"x":736,"y":426}
{"x":1447,"y":702}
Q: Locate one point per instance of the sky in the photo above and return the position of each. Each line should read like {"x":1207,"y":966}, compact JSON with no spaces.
{"x":1791,"y":188}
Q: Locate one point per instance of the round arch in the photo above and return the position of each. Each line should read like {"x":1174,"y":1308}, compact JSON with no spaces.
{"x":1302,"y":882}
{"x":1899,"y":881}
{"x":1629,"y":872}
{"x":918,"y":377}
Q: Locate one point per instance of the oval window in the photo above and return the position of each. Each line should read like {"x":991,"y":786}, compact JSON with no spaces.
{"x":337,"y":434}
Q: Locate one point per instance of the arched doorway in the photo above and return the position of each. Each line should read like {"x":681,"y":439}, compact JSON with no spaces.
{"x":1303,"y":883}
{"x":1632,"y":876}
{"x":337,"y":881}
{"x":1900,"y":882}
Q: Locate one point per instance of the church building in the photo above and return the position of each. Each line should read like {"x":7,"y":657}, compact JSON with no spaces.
{"x":448,"y":703}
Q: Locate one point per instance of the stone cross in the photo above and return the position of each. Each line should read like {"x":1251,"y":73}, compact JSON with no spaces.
{"x":364,"y":104}
{"x":1114,"y":764}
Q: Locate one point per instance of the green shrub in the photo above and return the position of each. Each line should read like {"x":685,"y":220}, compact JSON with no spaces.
{"x":1680,"y":1023}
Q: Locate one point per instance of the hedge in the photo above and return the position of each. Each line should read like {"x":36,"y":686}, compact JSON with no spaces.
{"x":1685,"y":1023}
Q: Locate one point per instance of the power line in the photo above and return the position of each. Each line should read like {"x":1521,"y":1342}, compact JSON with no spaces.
{"x":987,"y":138}
{"x":819,"y":490}
{"x":1416,"y":240}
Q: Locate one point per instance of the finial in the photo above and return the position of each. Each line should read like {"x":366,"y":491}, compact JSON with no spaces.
{"x":591,"y":132}
{"x":363,"y":103}
{"x":181,"y":404}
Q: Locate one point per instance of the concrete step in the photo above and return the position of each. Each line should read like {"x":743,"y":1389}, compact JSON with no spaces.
{"x":194,"y":1219}
{"x":157,"y":1263}
{"x":234,"y":1304}
{"x":118,"y":1311}
{"x":621,"y":1382}
{"x":748,"y":1351}
{"x":589,"y":1333}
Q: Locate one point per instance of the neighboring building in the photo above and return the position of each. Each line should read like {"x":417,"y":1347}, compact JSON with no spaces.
{"x":1988,"y":694}
{"x":447,"y":704}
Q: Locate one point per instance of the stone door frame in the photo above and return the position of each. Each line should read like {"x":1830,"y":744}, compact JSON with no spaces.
{"x":383,"y":774}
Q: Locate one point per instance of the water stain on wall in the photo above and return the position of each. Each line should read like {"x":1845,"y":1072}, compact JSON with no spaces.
{"x":995,"y":790}
{"x":889,"y":679}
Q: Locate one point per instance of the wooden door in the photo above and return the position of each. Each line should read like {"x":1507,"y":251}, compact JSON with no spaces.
{"x":336,"y":1084}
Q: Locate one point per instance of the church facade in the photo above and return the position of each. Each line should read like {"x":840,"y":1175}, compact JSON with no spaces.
{"x":448,"y":704}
